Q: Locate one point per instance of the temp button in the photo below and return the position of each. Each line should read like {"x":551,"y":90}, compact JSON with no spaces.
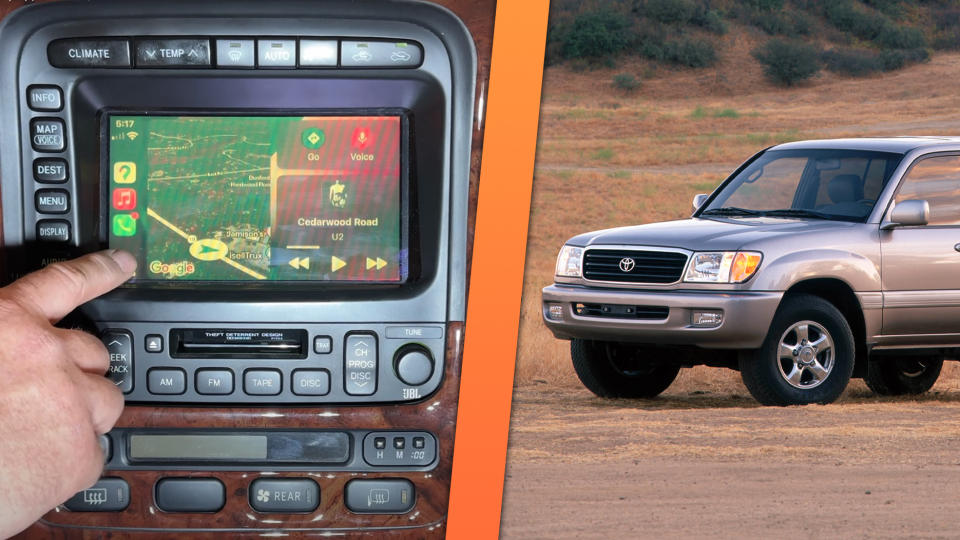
{"x":360,"y":364}
{"x":284,"y":496}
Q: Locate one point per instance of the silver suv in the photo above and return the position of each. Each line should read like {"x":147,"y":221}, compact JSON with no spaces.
{"x":814,"y":262}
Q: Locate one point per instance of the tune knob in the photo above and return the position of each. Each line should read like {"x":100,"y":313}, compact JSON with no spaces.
{"x":414,"y":365}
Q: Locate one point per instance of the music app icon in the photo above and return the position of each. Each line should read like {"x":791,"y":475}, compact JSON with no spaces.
{"x":124,"y":198}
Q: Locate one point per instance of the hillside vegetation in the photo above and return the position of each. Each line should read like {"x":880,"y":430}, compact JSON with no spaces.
{"x":793,"y":39}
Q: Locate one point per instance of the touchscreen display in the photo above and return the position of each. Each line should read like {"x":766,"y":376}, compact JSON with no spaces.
{"x":280,"y":198}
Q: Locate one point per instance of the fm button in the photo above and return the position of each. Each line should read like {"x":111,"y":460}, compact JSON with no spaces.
{"x":360,"y":364}
{"x":120,"y":347}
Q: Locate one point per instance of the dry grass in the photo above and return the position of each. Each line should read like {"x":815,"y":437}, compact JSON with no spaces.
{"x":606,"y":159}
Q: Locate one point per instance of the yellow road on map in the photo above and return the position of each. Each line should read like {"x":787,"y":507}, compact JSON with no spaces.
{"x":206,"y":249}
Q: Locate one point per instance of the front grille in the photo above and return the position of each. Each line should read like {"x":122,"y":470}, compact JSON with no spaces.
{"x":648,"y":266}
{"x":619,"y":311}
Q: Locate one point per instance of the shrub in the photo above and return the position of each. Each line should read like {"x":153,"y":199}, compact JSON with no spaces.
{"x":780,"y":23}
{"x":947,"y":39}
{"x":764,"y":5}
{"x":626,"y":81}
{"x":710,"y":20}
{"x":596,"y":34}
{"x":690,"y":52}
{"x":855,"y":62}
{"x":670,"y":11}
{"x":788,"y":62}
{"x":872,"y":26}
{"x":892,"y":60}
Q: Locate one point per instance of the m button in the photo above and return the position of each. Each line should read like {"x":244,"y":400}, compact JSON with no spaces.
{"x":120,"y":347}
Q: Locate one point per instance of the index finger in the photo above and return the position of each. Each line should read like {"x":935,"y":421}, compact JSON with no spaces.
{"x":59,"y":288}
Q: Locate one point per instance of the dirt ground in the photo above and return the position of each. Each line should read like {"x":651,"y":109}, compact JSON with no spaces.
{"x":697,"y":464}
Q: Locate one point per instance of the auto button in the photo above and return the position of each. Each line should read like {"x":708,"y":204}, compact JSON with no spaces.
{"x":360,"y":364}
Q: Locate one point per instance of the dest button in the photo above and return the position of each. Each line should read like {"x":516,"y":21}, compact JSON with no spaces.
{"x":284,"y":495}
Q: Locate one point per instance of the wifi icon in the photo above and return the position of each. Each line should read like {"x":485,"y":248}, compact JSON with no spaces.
{"x":132,"y":135}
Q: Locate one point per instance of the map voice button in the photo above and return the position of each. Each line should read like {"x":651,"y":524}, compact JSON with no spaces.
{"x":120,"y":348}
{"x":360,"y":364}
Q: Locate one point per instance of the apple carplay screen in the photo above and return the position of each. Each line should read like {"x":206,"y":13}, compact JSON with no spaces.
{"x":258,"y":198}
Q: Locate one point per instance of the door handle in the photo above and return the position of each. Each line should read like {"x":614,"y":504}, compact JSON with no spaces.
{"x":956,"y":247}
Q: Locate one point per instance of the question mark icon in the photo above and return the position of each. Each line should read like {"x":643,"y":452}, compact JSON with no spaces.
{"x":125,"y":172}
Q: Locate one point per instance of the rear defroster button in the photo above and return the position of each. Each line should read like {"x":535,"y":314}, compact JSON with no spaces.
{"x":360,"y":364}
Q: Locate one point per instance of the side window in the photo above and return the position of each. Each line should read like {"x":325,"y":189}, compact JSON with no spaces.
{"x":936,"y":180}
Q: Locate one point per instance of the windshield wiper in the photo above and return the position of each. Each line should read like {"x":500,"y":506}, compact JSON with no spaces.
{"x":801,"y":213}
{"x":731,"y":211}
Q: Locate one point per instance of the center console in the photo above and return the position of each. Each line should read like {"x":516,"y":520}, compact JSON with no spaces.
{"x":294,"y":179}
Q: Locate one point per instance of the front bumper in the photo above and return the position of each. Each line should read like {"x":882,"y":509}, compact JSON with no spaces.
{"x":746,"y":316}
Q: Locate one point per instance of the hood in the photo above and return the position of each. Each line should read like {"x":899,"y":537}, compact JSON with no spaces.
{"x":710,"y":234}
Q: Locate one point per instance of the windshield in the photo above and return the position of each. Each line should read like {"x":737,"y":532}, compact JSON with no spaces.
{"x":818,"y":184}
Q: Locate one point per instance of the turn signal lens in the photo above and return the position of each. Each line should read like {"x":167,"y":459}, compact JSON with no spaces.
{"x":745,"y":264}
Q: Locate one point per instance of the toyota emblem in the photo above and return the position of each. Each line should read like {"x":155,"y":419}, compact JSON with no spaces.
{"x":627,"y":264}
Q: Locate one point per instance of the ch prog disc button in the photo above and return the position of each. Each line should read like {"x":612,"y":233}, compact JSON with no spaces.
{"x":120,"y":347}
{"x":360,"y":364}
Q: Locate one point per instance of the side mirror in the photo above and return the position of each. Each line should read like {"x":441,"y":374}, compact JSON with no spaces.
{"x":698,"y":201}
{"x":908,"y":213}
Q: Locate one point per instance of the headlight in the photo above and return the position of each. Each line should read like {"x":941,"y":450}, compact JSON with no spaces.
{"x":569,"y":261}
{"x":722,"y":266}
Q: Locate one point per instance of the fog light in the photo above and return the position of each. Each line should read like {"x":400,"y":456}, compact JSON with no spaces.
{"x":555,"y":312}
{"x":707,"y":319}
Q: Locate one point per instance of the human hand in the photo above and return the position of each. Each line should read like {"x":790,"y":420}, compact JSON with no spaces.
{"x":54,"y":398}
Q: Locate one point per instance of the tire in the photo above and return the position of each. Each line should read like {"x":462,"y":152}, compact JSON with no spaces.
{"x":617,"y":370}
{"x":818,"y":373}
{"x":900,"y":375}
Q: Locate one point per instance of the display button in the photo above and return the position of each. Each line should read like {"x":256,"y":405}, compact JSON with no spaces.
{"x":52,"y":201}
{"x":166,"y":381}
{"x":171,"y":53}
{"x":47,"y":135}
{"x":53,"y":230}
{"x":190,"y":495}
{"x":89,"y":53}
{"x":107,"y":495}
{"x":45,"y":98}
{"x":284,"y":496}
{"x":318,"y":53}
{"x":389,"y":496}
{"x":311,"y":382}
{"x":153,"y":343}
{"x":235,"y":53}
{"x":120,"y":347}
{"x":277,"y":53}
{"x":414,"y":366}
{"x":261,"y":382}
{"x":50,"y":170}
{"x":214,"y":381}
{"x":400,"y":54}
{"x":323,"y":344}
{"x":360,"y":364}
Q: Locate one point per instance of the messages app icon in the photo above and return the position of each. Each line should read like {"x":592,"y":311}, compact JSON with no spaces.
{"x":124,"y":225}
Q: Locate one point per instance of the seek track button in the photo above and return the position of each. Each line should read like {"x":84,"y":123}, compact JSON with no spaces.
{"x":120,"y":347}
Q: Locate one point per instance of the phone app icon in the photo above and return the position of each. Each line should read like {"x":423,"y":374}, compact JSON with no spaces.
{"x":124,"y":198}
{"x":124,"y":172}
{"x":124,"y":225}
